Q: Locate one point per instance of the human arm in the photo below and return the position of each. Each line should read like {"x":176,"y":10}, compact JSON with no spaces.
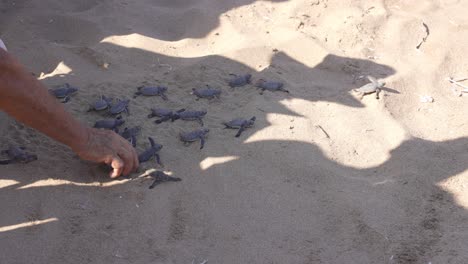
{"x":28,"y":100}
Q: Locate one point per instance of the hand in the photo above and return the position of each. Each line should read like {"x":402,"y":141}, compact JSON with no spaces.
{"x":105,"y":146}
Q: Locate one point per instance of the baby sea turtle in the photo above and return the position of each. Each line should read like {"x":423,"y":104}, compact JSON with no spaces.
{"x":239,"y":80}
{"x":63,"y":92}
{"x":109,"y":123}
{"x":190,"y":116}
{"x":270,"y":86}
{"x":374,"y":86}
{"x":240,"y":124}
{"x":130,"y":134}
{"x":193,"y":136}
{"x":17,"y":155}
{"x":101,"y":104}
{"x":160,"y":177}
{"x":152,"y":151}
{"x":163,"y":113}
{"x":152,"y":91}
{"x":119,"y":107}
{"x":208,"y":92}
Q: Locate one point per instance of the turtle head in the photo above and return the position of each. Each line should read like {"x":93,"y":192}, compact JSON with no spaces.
{"x":253,"y":119}
{"x":28,"y":158}
{"x":381,"y":84}
{"x":259,"y":82}
{"x":205,"y":131}
{"x":248,"y":77}
{"x":162,"y":88}
{"x":119,"y":122}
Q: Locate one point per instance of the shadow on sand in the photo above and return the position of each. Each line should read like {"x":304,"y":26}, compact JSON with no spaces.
{"x":276,"y":201}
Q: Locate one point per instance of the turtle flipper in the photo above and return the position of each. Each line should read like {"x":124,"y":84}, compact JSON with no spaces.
{"x":377,"y":92}
{"x":202,"y":142}
{"x":155,"y":183}
{"x":164,"y":97}
{"x":5,"y":162}
{"x":151,"y":115}
{"x":164,"y":119}
{"x":200,"y":121}
{"x":373,"y":80}
{"x":158,"y":159}
{"x":66,"y":100}
{"x":241,"y":129}
{"x":133,"y":141}
{"x":151,"y":140}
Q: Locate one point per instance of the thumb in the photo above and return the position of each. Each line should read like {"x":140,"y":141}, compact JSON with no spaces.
{"x":118,"y":165}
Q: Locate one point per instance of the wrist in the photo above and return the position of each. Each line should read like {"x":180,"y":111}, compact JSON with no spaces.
{"x":81,"y":140}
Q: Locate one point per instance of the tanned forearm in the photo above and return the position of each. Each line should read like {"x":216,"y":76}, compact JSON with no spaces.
{"x":27,"y":100}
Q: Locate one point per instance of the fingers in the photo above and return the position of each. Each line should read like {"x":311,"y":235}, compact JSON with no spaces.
{"x":136,"y":163}
{"x":127,"y":159}
{"x":118,"y":166}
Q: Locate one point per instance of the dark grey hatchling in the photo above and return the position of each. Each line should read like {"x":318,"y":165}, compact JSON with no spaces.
{"x":160,"y":177}
{"x":17,"y":155}
{"x":130,"y":134}
{"x":196,"y":135}
{"x":119,"y":107}
{"x":101,"y":104}
{"x":63,"y":92}
{"x":152,"y":151}
{"x":374,"y":86}
{"x":190,"y":116}
{"x":163,"y":114}
{"x":240,"y":124}
{"x":239,"y":80}
{"x":152,"y":91}
{"x":207,"y":92}
{"x":111,"y":123}
{"x":271,"y":86}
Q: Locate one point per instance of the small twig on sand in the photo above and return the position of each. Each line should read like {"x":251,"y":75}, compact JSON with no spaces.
{"x":425,"y":37}
{"x":164,"y":65}
{"x":456,"y":82}
{"x":323,"y":130}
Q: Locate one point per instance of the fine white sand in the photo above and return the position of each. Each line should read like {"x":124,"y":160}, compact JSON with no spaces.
{"x":322,"y":177}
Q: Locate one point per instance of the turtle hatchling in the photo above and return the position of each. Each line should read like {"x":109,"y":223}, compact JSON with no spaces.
{"x":190,"y":116}
{"x":374,"y":86}
{"x":196,"y":135}
{"x":163,"y":113}
{"x":130,"y":134}
{"x":17,"y":155}
{"x":160,"y":177}
{"x":63,"y":92}
{"x":152,"y":151}
{"x":152,"y":91}
{"x":270,"y":86}
{"x":101,"y":104}
{"x":109,"y":123}
{"x":240,"y":124}
{"x":119,"y":107}
{"x":207,"y":92}
{"x":239,"y":80}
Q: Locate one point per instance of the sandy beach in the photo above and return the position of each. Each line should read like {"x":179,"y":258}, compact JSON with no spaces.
{"x":323,"y":176}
